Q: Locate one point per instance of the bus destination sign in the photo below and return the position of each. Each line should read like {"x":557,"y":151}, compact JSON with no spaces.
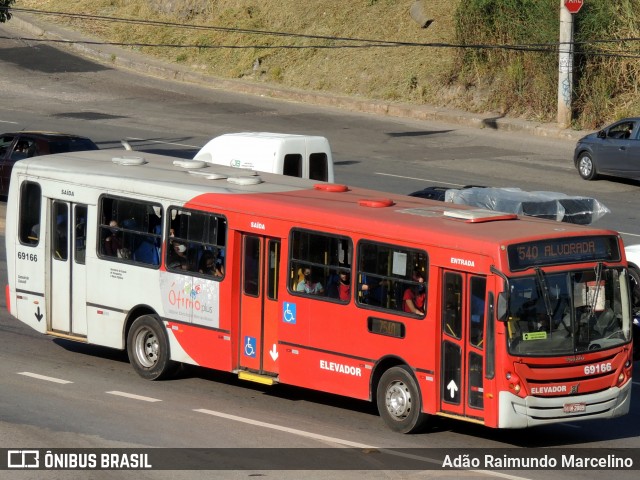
{"x":559,"y":251}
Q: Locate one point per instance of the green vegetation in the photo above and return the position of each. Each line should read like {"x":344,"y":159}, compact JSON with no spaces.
{"x":525,"y":83}
{"x":316,"y":56}
{"x":514,"y":82}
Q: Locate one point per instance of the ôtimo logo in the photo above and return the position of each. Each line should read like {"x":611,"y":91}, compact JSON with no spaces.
{"x":192,"y":291}
{"x":185,"y":297}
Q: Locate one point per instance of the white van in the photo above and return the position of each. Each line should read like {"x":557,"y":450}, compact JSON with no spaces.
{"x":288,"y":154}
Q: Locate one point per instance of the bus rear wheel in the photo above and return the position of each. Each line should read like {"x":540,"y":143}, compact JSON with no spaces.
{"x":148,"y":348}
{"x":399,"y":400}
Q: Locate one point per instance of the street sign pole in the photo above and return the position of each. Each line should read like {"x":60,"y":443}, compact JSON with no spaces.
{"x":565,"y":66}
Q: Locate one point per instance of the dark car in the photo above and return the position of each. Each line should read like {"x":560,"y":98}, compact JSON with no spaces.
{"x":438,"y":193}
{"x":19,"y":145}
{"x":614,"y":150}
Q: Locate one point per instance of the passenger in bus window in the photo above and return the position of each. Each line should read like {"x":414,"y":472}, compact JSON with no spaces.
{"x":375,"y":292}
{"x":308,"y":285}
{"x":344,"y":286}
{"x":209,"y":265}
{"x":112,"y":243}
{"x":178,"y":256}
{"x":339,"y":286}
{"x":415,"y":296}
{"x":182,"y":264}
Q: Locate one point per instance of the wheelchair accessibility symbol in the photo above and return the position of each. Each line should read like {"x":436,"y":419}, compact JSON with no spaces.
{"x":289,"y":313}
{"x":250,"y":346}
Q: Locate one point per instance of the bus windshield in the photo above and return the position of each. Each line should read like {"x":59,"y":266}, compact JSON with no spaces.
{"x":569,"y":312}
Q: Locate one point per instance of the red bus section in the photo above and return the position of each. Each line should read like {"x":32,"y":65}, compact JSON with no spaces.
{"x":425,"y":308}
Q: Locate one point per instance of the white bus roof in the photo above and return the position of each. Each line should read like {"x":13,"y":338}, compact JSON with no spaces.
{"x":171,"y":177}
{"x":161,"y":177}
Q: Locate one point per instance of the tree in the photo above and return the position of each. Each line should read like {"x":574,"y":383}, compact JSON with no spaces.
{"x":5,"y":13}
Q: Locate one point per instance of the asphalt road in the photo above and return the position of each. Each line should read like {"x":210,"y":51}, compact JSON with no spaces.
{"x":55,"y":393}
{"x":45,"y":88}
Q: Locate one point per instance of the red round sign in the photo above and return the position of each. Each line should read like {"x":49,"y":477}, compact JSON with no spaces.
{"x":573,"y":5}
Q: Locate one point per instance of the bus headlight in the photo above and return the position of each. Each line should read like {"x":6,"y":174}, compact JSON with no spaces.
{"x":621,"y":378}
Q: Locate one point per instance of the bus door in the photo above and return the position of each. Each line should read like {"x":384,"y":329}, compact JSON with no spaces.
{"x":463,"y":344}
{"x":259,"y":311}
{"x":68,"y":269}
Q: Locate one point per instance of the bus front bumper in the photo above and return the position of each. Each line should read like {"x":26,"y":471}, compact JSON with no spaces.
{"x":517,"y":412}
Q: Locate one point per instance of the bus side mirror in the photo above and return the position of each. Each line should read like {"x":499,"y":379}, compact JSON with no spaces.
{"x":501,"y":312}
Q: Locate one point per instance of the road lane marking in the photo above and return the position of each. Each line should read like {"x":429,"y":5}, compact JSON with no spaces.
{"x":44,"y":377}
{"x":7,"y":121}
{"x":133,"y":396}
{"x":340,"y":441}
{"x":294,"y":431}
{"x":630,"y":234}
{"x":420,"y":179}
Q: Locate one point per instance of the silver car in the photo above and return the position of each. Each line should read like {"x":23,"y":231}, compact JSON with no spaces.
{"x":614,"y":150}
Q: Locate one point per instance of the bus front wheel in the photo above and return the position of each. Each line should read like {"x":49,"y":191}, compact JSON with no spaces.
{"x":399,"y":400}
{"x":148,"y":348}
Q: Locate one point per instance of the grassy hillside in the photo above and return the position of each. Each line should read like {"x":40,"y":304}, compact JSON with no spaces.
{"x":315,"y":52}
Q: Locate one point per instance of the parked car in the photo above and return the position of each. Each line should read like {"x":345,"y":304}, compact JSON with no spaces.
{"x":614,"y":150}
{"x":18,"y":145}
{"x":437,"y":193}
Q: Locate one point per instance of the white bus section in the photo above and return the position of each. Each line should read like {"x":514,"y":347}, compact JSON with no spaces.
{"x":78,"y":307}
{"x":302,"y":156}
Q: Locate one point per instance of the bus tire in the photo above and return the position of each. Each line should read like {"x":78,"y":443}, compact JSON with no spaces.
{"x":148,"y":348}
{"x":399,"y":400}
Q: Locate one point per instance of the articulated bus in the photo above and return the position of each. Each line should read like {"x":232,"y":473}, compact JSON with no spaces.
{"x":425,"y":308}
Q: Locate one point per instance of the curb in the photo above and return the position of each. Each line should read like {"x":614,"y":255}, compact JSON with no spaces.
{"x":116,"y":56}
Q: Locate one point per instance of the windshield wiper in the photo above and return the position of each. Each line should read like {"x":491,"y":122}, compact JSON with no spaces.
{"x":545,"y":292}
{"x":596,"y":293}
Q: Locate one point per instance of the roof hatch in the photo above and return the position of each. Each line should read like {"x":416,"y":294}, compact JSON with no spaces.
{"x":331,"y":187}
{"x":189,"y":163}
{"x":376,"y":202}
{"x":129,"y":161}
{"x":479,"y":215}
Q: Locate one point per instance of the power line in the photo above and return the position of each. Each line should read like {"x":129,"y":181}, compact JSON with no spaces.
{"x":362,"y":42}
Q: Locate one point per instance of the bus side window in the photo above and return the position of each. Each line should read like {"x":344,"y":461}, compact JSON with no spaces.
{"x":477,"y":308}
{"x":30,"y":205}
{"x":60,"y":227}
{"x":80,"y":244}
{"x":315,"y":262}
{"x":452,"y":313}
{"x":391,"y":277}
{"x":273,"y":269}
{"x":130,"y":230}
{"x":196,"y":242}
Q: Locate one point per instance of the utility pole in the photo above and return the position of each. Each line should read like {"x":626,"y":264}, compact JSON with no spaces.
{"x":565,"y":67}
